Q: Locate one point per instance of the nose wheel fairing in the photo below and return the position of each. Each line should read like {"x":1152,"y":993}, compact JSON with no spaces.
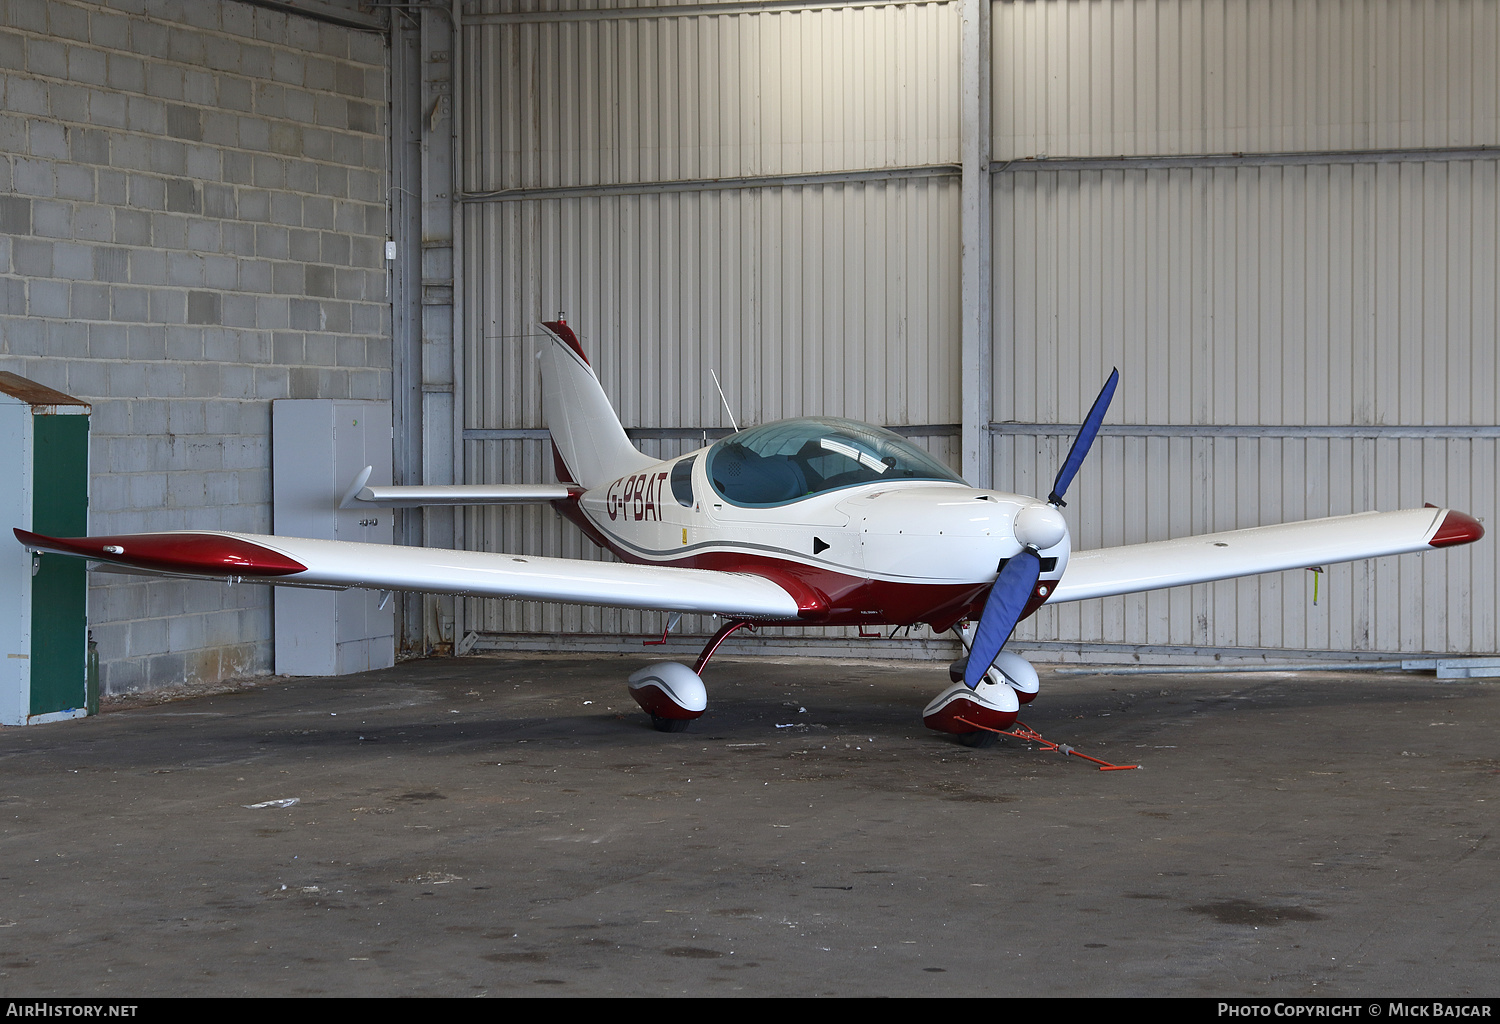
{"x":959,"y":710}
{"x":994,"y":703}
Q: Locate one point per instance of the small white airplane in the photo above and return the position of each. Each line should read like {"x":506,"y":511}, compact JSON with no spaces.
{"x":815,"y":521}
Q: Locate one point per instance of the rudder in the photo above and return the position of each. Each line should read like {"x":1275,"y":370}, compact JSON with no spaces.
{"x":588,"y":440}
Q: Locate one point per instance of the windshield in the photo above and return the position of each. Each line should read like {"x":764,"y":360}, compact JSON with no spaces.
{"x":790,"y":460}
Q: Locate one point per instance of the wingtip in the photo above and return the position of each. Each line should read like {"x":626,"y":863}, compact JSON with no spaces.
{"x":1456,"y":528}
{"x":356,"y":488}
{"x":41,"y":542}
{"x":193,"y":553}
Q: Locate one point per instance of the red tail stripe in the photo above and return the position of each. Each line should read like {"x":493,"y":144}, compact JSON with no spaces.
{"x":563,"y":331}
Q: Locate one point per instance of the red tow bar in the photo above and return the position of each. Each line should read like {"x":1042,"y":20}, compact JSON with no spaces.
{"x":1022,"y":731}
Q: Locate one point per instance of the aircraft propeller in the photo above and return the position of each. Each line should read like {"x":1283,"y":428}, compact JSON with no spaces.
{"x":1037,"y":528}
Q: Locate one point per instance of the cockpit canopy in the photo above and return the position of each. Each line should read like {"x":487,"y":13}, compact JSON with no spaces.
{"x":790,"y":460}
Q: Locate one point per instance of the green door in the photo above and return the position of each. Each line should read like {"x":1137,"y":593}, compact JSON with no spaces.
{"x":59,"y":590}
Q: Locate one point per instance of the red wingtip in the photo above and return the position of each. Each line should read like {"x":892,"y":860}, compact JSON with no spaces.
{"x":196,"y":553}
{"x":563,"y":331}
{"x":1457,"y":528}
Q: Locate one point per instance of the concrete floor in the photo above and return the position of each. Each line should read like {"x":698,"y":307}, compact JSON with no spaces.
{"x":513,"y":826}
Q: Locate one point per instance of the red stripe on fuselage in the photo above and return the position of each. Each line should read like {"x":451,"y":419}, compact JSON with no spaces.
{"x":832,"y":598}
{"x":824,"y":596}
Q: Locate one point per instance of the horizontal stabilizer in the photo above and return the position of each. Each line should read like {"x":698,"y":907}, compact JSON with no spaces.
{"x":464,"y":494}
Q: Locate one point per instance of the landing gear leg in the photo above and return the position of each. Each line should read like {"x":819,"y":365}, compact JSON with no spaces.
{"x":719,"y":638}
{"x":673,"y":694}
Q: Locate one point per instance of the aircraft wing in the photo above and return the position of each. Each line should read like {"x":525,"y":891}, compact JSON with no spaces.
{"x":297,"y":561}
{"x":1106,"y":572}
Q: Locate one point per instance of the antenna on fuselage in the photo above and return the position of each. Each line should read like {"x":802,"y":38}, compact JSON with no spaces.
{"x":732,"y":422}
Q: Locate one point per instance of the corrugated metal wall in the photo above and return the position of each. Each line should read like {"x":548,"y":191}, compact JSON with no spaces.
{"x":1297,"y":276}
{"x":613,"y":98}
{"x":1298,"y":335}
{"x":819,"y":300}
{"x":598,"y":150}
{"x":1139,"y":77}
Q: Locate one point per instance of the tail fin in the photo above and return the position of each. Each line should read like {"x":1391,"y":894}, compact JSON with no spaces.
{"x":587,"y":437}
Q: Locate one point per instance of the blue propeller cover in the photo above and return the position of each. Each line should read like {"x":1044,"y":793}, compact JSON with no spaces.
{"x":1008,"y":597}
{"x":1085,"y":439}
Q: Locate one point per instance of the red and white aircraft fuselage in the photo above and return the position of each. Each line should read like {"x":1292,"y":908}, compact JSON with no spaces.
{"x":816,"y":521}
{"x":872,"y":554}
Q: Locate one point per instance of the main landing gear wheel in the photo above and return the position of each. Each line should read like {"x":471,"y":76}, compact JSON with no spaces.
{"x":672,"y":694}
{"x":979,"y":739}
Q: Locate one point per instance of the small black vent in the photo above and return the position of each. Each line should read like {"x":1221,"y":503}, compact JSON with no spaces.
{"x":1048,"y":564}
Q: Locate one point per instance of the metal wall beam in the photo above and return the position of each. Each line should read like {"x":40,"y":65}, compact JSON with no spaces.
{"x":426,"y":370}
{"x":365,"y":16}
{"x":1381,"y":431}
{"x":458,"y":170}
{"x":977,"y":334}
{"x":686,"y":10}
{"x":716,"y":184}
{"x":683,"y":433}
{"x":1293,"y":159}
{"x":406,"y":301}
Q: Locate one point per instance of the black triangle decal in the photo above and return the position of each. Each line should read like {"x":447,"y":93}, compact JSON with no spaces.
{"x":819,"y":545}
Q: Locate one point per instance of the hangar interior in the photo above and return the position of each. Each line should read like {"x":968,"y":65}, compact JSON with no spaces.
{"x":951,"y":218}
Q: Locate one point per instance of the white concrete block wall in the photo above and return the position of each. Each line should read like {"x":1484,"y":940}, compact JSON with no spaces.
{"x":192,"y":224}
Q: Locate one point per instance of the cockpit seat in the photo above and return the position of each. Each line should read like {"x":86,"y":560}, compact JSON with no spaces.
{"x":747,"y":477}
{"x":791,"y":460}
